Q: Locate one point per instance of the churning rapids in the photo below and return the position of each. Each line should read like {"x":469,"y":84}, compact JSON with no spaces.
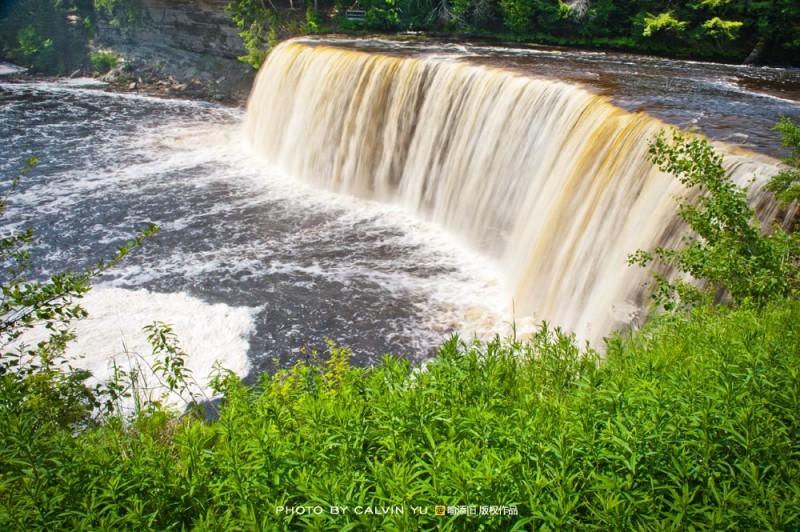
{"x":382,"y":195}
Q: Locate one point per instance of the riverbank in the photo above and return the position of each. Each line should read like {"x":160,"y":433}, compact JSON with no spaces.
{"x":164,"y":48}
{"x":136,"y":77}
{"x":171,"y":72}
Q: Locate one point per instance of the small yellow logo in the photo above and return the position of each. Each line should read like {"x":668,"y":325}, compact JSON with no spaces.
{"x":439,"y":510}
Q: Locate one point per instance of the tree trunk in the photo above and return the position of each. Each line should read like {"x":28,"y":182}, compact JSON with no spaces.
{"x":758,"y":51}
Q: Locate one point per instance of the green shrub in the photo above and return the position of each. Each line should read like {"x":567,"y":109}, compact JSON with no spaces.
{"x":103,"y":62}
{"x":124,"y":14}
{"x":39,"y":34}
{"x":258,"y":27}
{"x":689,"y":424}
{"x":786,"y":184}
{"x":728,"y":250}
{"x":313,"y":20}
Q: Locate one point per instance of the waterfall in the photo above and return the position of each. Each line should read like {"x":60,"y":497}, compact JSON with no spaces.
{"x":550,"y":180}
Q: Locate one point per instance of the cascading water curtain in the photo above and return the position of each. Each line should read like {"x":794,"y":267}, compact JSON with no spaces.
{"x":552,"y":181}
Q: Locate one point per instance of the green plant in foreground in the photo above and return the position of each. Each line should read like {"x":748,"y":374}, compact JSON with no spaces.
{"x":690,"y":425}
{"x":728,"y":249}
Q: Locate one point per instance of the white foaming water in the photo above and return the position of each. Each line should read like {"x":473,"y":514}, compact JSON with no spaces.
{"x":734,"y":87}
{"x":80,"y":82}
{"x":312,"y":264}
{"x":467,"y":297}
{"x":6,"y":69}
{"x":113,"y":334}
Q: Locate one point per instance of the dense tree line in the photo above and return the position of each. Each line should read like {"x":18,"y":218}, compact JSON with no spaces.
{"x":734,"y":30}
{"x":52,"y":35}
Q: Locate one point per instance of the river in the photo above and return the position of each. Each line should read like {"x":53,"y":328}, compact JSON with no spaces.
{"x":255,"y":265}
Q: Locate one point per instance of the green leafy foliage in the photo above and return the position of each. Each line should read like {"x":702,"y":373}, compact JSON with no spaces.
{"x":663,"y":23}
{"x":728,"y":251}
{"x":733,"y":30}
{"x":52,"y":35}
{"x":786,"y":184}
{"x":170,"y":365}
{"x":258,"y":26}
{"x":722,"y":30}
{"x":313,"y":20}
{"x":103,"y":62}
{"x":518,"y":15}
{"x":125,"y":14}
{"x":45,"y":35}
{"x":674,"y":428}
{"x":39,"y":379}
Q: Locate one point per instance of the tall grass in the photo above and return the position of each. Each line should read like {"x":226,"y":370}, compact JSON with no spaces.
{"x":690,"y":424}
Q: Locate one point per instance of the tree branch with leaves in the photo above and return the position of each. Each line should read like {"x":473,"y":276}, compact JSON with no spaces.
{"x":41,"y":374}
{"x":727,"y":252}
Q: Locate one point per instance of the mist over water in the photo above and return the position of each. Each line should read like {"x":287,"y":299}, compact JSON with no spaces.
{"x":373,"y":244}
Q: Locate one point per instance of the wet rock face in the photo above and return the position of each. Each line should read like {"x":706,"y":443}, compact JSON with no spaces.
{"x":184,"y":43}
{"x":195,"y":26}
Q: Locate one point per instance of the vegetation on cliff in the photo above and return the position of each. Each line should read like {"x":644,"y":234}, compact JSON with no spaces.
{"x":52,"y":35}
{"x":728,"y":249}
{"x":47,"y":35}
{"x":786,"y":184}
{"x":732,"y":30}
{"x":689,"y":423}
